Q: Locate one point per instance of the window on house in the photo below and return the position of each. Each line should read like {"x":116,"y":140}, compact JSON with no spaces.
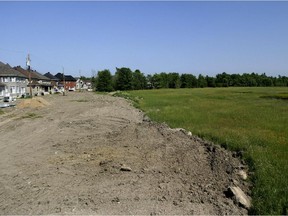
{"x":12,"y":89}
{"x":2,"y":89}
{"x":13,"y":79}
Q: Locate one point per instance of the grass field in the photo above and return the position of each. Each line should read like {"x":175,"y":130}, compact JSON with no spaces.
{"x":251,"y":119}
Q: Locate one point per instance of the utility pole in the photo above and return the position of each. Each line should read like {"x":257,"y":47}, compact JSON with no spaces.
{"x":63,"y":81}
{"x":80,"y":85}
{"x":28,"y":64}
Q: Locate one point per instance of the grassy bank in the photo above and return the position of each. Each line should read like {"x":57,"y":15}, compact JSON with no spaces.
{"x":251,"y":119}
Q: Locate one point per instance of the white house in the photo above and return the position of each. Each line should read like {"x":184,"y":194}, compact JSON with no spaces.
{"x":83,"y":85}
{"x":12,"y":83}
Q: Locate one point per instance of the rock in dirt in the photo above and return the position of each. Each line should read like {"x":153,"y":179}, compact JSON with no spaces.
{"x":239,"y":196}
{"x":146,"y":119}
{"x":243,"y":174}
{"x":125,"y":168}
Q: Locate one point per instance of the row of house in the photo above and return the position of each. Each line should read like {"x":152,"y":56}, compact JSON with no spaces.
{"x":14,"y":82}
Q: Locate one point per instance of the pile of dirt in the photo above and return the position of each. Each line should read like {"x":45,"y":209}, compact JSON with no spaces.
{"x":104,"y":157}
{"x":33,"y":103}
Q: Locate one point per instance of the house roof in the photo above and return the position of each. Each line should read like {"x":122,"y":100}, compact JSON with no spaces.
{"x":40,"y":76}
{"x":25,"y":72}
{"x":7,"y":70}
{"x":34,"y":74}
{"x":50,"y":76}
{"x":70,"y":78}
{"x":67,"y":77}
{"x":36,"y":83}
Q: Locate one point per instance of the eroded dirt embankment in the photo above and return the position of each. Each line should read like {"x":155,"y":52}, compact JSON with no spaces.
{"x":94,"y":154}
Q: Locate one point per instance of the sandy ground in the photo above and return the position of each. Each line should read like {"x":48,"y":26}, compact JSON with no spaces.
{"x":95,"y":154}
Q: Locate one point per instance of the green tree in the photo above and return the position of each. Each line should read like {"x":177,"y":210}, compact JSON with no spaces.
{"x":164,"y":80}
{"x":155,"y":81}
{"x":188,"y":81}
{"x":211,"y":81}
{"x":173,"y":80}
{"x":149,"y":81}
{"x":139,"y":80}
{"x":104,"y":81}
{"x":281,"y":81}
{"x":202,"y":82}
{"x":93,"y":82}
{"x":222,"y":80}
{"x":123,"y":79}
{"x":236,"y":80}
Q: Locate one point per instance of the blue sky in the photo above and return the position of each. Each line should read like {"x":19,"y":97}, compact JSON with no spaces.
{"x":186,"y":37}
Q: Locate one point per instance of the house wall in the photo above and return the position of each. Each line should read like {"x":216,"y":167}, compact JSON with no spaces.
{"x":36,"y":90}
{"x":83,"y":85}
{"x":38,"y":87}
{"x":70,"y":85}
{"x":14,"y":86}
{"x":45,"y":85}
{"x":2,"y":91}
{"x":54,"y":86}
{"x":79,"y":84}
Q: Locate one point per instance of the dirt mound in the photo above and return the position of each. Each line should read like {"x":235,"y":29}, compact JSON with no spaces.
{"x":33,"y":103}
{"x":103,"y":157}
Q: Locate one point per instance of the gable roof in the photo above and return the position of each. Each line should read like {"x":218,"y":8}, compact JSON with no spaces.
{"x":70,"y":78}
{"x":50,"y":76}
{"x":7,"y":70}
{"x":67,"y":77}
{"x":40,"y":76}
{"x":34,"y":74}
{"x":25,"y":72}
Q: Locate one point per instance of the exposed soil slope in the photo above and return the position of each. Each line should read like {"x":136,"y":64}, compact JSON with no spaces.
{"x":93,"y":154}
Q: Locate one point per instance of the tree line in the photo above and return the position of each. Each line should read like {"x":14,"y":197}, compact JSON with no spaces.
{"x":126,"y":79}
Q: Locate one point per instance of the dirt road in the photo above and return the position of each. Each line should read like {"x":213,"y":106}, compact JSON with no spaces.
{"x":95,"y":154}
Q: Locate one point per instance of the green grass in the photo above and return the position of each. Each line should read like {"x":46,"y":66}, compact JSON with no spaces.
{"x":30,"y":116}
{"x":251,"y":119}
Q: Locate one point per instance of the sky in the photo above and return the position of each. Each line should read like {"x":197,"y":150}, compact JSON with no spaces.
{"x":207,"y":37}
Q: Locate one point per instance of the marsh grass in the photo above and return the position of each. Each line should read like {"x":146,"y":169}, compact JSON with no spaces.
{"x":254,"y":120}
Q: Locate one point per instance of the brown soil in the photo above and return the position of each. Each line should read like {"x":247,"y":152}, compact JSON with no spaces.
{"x":94,"y":154}
{"x":33,"y":103}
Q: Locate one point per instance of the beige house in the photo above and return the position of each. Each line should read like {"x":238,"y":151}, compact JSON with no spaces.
{"x":40,"y":84}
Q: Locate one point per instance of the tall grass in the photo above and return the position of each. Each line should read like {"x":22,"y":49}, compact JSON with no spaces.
{"x":254,"y":120}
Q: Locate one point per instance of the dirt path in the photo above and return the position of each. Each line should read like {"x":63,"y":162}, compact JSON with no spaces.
{"x":66,"y":158}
